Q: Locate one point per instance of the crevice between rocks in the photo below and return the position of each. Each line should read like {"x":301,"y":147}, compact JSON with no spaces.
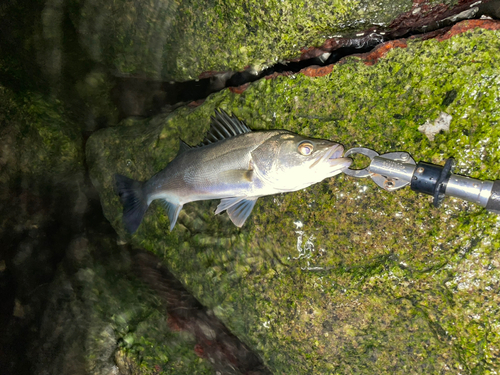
{"x":142,"y":97}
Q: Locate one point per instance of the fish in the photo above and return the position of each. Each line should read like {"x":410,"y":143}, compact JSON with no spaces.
{"x":233,"y":164}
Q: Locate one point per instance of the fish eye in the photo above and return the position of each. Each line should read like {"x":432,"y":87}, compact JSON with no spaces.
{"x":305,"y":148}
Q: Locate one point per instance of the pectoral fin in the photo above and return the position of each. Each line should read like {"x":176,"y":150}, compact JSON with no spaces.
{"x":172,"y":211}
{"x":237,"y":176}
{"x":238,"y":208}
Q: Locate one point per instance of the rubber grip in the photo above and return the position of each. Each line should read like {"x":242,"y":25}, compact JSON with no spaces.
{"x":493,"y":204}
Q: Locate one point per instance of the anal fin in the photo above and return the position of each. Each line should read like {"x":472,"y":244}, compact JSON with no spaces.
{"x":172,"y":211}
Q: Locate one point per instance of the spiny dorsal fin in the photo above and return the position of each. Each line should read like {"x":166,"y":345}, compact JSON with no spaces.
{"x":223,"y":127}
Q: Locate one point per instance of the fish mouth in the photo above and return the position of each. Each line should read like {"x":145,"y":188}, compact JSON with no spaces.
{"x":333,"y":158}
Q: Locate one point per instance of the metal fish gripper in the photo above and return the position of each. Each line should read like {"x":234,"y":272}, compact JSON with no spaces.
{"x":395,"y":170}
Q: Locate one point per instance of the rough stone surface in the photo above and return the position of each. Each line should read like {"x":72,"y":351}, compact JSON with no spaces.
{"x":69,"y":301}
{"x":343,"y":277}
{"x":174,"y":40}
{"x":100,"y":319}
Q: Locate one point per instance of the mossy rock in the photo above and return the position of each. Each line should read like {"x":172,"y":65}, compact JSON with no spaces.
{"x":174,"y":40}
{"x":343,"y":277}
{"x":98,"y":316}
{"x":95,"y":315}
{"x":41,"y":160}
{"x":37,"y":138}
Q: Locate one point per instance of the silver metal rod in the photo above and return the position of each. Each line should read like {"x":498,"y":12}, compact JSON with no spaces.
{"x":469,"y":189}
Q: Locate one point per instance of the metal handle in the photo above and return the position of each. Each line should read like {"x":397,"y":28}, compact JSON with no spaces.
{"x":493,"y":204}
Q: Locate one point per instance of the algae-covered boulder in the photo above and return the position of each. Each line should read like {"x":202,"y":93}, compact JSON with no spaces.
{"x":99,"y":319}
{"x":37,"y":138}
{"x":74,"y":306}
{"x":343,"y":277}
{"x":41,"y":160}
{"x":175,"y":40}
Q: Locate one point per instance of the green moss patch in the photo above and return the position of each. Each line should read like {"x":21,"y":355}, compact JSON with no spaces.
{"x":180,"y":40}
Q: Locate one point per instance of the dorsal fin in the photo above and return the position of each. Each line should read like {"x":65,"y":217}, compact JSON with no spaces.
{"x":183,"y":147}
{"x":223,"y":127}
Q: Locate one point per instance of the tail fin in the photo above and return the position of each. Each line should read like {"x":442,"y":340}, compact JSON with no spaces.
{"x":133,"y":200}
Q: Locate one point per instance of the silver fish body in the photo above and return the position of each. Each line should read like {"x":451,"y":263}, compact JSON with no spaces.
{"x":235,"y":165}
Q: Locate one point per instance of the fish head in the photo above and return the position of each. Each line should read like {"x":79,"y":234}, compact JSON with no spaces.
{"x":291,"y":162}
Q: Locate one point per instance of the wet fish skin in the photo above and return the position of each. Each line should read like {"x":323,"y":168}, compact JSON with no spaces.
{"x":235,"y":165}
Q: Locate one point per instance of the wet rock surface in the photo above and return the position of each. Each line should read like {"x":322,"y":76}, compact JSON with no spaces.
{"x":339,"y":278}
{"x":342,"y":277}
{"x":219,"y":45}
{"x":424,"y":20}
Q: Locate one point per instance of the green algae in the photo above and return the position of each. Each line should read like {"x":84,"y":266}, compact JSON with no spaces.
{"x":38,"y":141}
{"x":103,"y":318}
{"x":343,"y":277}
{"x":176,"y":40}
{"x":129,"y":314}
{"x":95,"y":313}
